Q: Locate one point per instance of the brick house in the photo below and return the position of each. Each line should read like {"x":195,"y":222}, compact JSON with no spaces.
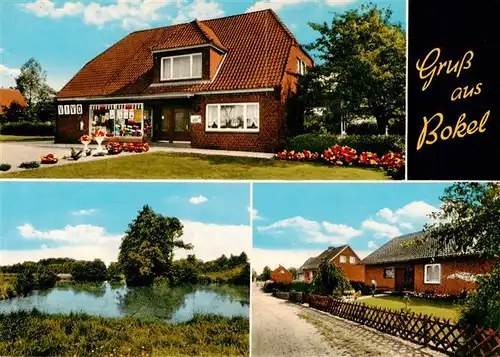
{"x":281,"y":275}
{"x":343,"y":256}
{"x":9,"y":96}
{"x":219,"y":84}
{"x":410,"y":263}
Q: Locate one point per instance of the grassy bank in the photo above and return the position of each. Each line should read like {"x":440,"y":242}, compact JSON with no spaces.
{"x":38,"y":334}
{"x":162,"y":165}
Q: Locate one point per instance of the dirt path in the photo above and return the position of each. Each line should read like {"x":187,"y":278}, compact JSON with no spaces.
{"x":283,"y":329}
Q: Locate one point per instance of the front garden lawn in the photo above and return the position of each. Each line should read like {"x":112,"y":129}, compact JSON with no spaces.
{"x":24,"y":138}
{"x":437,"y":308}
{"x":162,"y":165}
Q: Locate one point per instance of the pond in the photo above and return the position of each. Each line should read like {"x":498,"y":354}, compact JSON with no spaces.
{"x":176,"y":304}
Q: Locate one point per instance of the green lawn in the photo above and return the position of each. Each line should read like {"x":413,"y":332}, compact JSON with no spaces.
{"x":162,"y":165}
{"x":24,"y":138}
{"x":438,"y":308}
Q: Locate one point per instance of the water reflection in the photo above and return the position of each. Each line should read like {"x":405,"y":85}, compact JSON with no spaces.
{"x":116,"y":300}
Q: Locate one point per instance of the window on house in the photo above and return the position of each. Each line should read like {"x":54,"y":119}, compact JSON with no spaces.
{"x":352,"y":260}
{"x":301,"y":67}
{"x":343,"y":259}
{"x":181,"y":67}
{"x":432,"y":274}
{"x":389,"y":273}
{"x":232,"y":117}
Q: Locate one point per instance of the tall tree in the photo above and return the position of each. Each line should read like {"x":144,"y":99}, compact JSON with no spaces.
{"x":470,"y":220}
{"x":266,"y":273}
{"x":330,"y":279}
{"x":293,"y":271}
{"x":32,"y":83}
{"x":363,"y":64}
{"x":147,"y":250}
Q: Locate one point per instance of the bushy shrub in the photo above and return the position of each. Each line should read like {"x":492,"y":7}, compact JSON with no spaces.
{"x":379,"y":144}
{"x":45,"y":279}
{"x":29,"y":165}
{"x":5,"y":167}
{"x":82,"y":270}
{"x":28,"y":128}
{"x":482,"y":307}
{"x":287,"y":287}
{"x":24,"y":283}
{"x":364,"y":128}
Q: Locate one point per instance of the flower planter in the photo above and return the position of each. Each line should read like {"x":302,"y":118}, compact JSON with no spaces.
{"x":99,"y":140}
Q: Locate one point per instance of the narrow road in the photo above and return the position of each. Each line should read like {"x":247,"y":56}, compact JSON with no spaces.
{"x":278,"y":331}
{"x":282,"y":329}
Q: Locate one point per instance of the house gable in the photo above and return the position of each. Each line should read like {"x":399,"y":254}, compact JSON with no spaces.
{"x":9,"y":96}
{"x":281,"y":274}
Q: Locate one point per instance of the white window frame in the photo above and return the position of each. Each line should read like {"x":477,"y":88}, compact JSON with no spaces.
{"x":352,"y":260}
{"x":222,"y":130}
{"x":301,"y":67}
{"x":171,"y":59}
{"x":343,"y":259}
{"x":426,"y":280}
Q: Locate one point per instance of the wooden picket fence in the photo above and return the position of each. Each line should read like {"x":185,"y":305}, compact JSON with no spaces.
{"x":429,"y":331}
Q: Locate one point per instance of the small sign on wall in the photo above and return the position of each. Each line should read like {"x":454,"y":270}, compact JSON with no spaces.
{"x":60,"y":109}
{"x":66,"y":109}
{"x":72,"y":109}
{"x":79,"y":109}
{"x":195,"y":119}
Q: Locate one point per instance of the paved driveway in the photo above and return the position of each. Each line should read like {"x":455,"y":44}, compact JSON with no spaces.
{"x":282,"y":329}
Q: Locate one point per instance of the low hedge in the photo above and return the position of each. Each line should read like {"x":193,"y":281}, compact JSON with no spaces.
{"x":287,"y":287}
{"x":378,"y":144}
{"x":26,"y":128}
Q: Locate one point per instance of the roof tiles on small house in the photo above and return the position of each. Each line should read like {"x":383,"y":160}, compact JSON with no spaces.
{"x":257,"y":44}
{"x":8,"y":96}
{"x":330,"y":253}
{"x":414,"y":246}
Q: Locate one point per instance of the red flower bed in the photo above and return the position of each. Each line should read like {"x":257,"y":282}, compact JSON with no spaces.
{"x":369,"y":159}
{"x":297,"y":156}
{"x":340,"y":155}
{"x":392,"y":160}
{"x":114,"y":148}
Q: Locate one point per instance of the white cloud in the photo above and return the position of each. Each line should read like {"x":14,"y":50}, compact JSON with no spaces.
{"x":254,"y":213}
{"x":388,"y":215}
{"x":90,"y":242}
{"x":132,"y":14}
{"x":277,"y":5}
{"x":406,"y":226}
{"x":312,"y":231}
{"x":46,"y":8}
{"x":297,"y":222}
{"x":274,"y":257}
{"x":85,"y":212}
{"x":380,"y":230}
{"x":198,"y":200}
{"x":13,"y":72}
{"x":79,"y":234}
{"x":43,"y":246}
{"x":372,"y":245}
{"x":197,"y":9}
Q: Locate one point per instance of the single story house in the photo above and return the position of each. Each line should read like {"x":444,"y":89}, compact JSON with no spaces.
{"x":300,"y":270}
{"x":217,"y":84}
{"x":281,"y":275}
{"x":412,"y":263}
{"x":9,"y":96}
{"x":343,"y":256}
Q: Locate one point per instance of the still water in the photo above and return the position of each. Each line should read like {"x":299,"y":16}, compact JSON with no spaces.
{"x":116,"y":300}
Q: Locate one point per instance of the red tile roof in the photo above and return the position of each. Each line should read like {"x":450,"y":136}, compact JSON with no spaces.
{"x":257,"y":44}
{"x":7,"y":96}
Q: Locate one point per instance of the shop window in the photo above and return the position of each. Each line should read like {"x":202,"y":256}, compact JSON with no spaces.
{"x":232,"y":117}
{"x":119,"y":120}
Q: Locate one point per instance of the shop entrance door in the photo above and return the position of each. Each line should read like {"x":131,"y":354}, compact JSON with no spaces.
{"x":172,"y":125}
{"x":181,"y":124}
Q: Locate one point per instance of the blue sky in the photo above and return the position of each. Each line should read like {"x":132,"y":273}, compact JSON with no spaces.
{"x":86,"y":220}
{"x":295,"y":221}
{"x":64,"y":35}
